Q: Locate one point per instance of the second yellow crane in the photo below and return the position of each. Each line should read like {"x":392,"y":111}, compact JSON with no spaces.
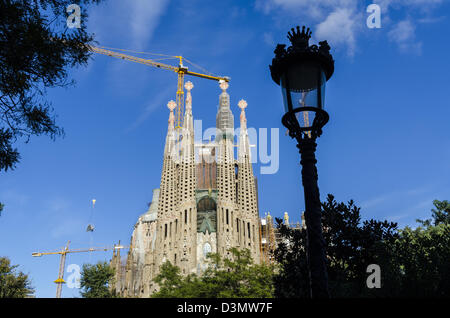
{"x":60,"y":280}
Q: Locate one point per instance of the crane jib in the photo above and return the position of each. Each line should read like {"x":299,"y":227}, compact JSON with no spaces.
{"x":181,"y":70}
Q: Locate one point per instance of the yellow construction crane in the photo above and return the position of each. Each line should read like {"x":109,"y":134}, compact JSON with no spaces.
{"x":181,"y":70}
{"x":60,"y":280}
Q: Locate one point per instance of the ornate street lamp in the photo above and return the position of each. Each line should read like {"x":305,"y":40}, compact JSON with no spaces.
{"x":302,"y":72}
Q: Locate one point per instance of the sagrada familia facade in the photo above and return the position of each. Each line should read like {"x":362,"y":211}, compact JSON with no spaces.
{"x":207,"y":203}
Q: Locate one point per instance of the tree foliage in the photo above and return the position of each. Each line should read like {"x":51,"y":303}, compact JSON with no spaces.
{"x":292,"y":277}
{"x":173,"y":285}
{"x":36,"y":51}
{"x":424,"y":255}
{"x":413,"y":262}
{"x":13,"y":284}
{"x":439,"y":214}
{"x":352,"y":246}
{"x":95,"y":280}
{"x":234,"y":277}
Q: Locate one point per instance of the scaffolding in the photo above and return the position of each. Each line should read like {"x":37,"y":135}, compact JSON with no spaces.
{"x":270,"y":235}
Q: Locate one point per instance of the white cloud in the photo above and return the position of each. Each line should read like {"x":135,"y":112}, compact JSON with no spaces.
{"x":342,"y":21}
{"x":431,"y":19}
{"x":144,"y":19}
{"x":160,"y":100}
{"x":407,"y":195}
{"x":14,"y":197}
{"x":129,"y":24}
{"x":339,"y":28}
{"x":268,"y":39}
{"x":68,"y":226}
{"x":57,"y":205}
{"x":403,"y":33}
{"x":385,"y":4}
{"x":336,"y":19}
{"x":317,"y":9}
{"x":419,"y":210}
{"x":62,"y":219}
{"x":374,"y":202}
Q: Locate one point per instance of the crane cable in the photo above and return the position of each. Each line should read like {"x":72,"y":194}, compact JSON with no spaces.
{"x":90,"y":228}
{"x":136,"y":52}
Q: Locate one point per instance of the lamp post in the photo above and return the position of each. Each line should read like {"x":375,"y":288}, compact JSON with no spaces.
{"x":302,"y":71}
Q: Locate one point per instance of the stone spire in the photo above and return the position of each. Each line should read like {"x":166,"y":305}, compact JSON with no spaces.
{"x":243,"y":105}
{"x":187,"y":138}
{"x":168,"y":190}
{"x":244,"y":147}
{"x":224,"y":119}
{"x":246,"y":190}
{"x":185,"y":237}
{"x":188,"y":119}
{"x":286,"y":218}
{"x":227,"y":212}
{"x":170,"y":138}
{"x":171,"y":105}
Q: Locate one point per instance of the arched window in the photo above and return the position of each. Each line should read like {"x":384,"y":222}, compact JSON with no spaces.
{"x":206,"y":249}
{"x":206,"y":215}
{"x":206,"y":204}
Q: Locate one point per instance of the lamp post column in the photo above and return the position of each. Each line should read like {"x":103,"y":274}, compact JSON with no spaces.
{"x":316,"y":244}
{"x":302,"y":71}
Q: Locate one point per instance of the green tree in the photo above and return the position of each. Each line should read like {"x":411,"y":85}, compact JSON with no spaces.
{"x":95,"y":280}
{"x":350,"y":247}
{"x":413,"y":262}
{"x":1,"y":208}
{"x":173,"y":285}
{"x":237,"y":276}
{"x":440,"y":214}
{"x":292,"y":277}
{"x":232,"y":277}
{"x":424,"y":255}
{"x":36,"y":50}
{"x":13,"y":284}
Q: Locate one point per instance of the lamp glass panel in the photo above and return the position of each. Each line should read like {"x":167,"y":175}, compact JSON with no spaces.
{"x":303,"y":85}
{"x":305,"y":118}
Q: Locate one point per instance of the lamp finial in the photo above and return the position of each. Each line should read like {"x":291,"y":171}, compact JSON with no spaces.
{"x":299,"y":38}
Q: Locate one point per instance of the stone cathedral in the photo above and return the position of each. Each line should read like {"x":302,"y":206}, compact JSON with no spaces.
{"x":206,"y":202}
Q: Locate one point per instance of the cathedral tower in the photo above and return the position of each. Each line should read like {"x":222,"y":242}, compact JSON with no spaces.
{"x":202,"y":206}
{"x":246,"y":192}
{"x":227,"y":210}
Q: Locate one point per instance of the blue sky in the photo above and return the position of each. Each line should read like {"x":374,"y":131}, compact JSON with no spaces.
{"x":386,"y":146}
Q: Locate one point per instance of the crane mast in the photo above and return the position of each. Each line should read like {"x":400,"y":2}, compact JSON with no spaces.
{"x":181,"y":70}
